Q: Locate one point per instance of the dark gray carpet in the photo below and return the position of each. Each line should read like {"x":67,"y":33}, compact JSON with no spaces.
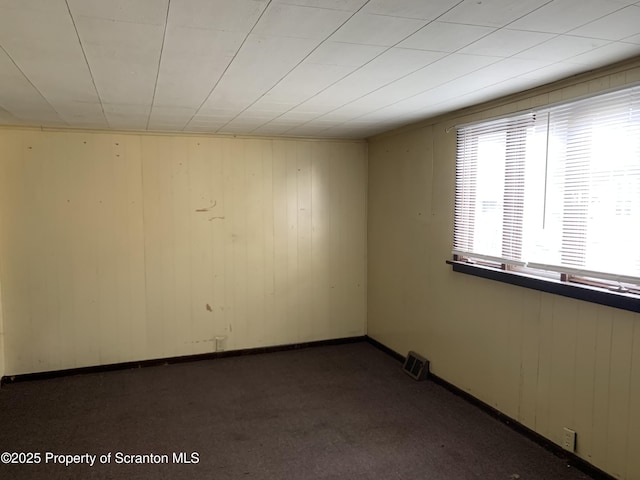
{"x":336,"y":412}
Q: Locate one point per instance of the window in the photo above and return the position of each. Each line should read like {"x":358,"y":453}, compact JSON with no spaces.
{"x":554,"y":193}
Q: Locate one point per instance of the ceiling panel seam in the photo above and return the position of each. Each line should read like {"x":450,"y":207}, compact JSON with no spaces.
{"x":597,"y":19}
{"x":354,"y":71}
{"x":228,"y":65}
{"x":86,"y":61}
{"x":309,"y":6}
{"x":155,"y":85}
{"x":294,"y":67}
{"x":33,"y":85}
{"x":410,"y":73}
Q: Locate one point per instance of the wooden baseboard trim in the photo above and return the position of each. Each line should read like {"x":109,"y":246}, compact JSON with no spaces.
{"x":572,"y":459}
{"x":171,"y":360}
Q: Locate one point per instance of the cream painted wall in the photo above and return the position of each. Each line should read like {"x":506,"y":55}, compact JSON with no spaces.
{"x":120,"y":247}
{"x":544,"y":360}
{"x":2,"y":365}
{"x":2,"y":369}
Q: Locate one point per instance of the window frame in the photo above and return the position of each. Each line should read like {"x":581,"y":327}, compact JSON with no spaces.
{"x":616,"y":293}
{"x":566,"y":288}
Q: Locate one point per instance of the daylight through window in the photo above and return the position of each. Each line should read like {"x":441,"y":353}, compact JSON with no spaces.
{"x":554,"y":191}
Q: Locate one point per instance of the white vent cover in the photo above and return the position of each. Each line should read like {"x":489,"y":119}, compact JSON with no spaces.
{"x":416,"y":366}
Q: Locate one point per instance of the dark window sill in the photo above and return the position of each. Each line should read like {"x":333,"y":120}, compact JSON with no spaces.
{"x":600,"y":296}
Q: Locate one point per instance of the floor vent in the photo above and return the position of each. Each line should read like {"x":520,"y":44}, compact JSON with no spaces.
{"x":416,"y":366}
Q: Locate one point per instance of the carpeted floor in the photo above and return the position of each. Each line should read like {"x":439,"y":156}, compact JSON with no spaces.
{"x":334,"y":412}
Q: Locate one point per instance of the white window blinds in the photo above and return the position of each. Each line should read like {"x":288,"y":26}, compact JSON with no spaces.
{"x":557,"y":189}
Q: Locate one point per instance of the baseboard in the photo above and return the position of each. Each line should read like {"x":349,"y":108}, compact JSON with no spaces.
{"x":172,"y":360}
{"x":385,"y":349}
{"x":571,"y":458}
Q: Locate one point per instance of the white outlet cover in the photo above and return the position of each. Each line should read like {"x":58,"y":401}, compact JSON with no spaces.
{"x":569,"y":440}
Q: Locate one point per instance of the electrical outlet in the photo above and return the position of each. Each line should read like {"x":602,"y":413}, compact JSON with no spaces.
{"x":220,"y":343}
{"x":569,"y":440}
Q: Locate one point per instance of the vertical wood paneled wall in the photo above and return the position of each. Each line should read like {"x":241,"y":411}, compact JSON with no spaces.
{"x":545,"y":360}
{"x":120,"y":247}
{"x":2,"y":366}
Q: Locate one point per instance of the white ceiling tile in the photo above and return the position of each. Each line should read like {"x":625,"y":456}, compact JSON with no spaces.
{"x":230,"y":15}
{"x":123,"y":57}
{"x":6,"y":118}
{"x":165,"y":127}
{"x":299,"y":117}
{"x":561,"y":48}
{"x":218,"y":112}
{"x":315,"y":108}
{"x":505,"y":42}
{"x":300,"y":22}
{"x":57,"y":6}
{"x":393,"y":64}
{"x":260,"y":64}
{"x":213,"y":123}
{"x":346,"y":54}
{"x":200,"y":129}
{"x":407,"y":111}
{"x":391,"y":112}
{"x":20,"y":98}
{"x":381,"y":30}
{"x":250,"y":119}
{"x":264,"y":105}
{"x":443,"y":71}
{"x":45,"y":47}
{"x":35,"y":115}
{"x":284,"y":123}
{"x":457,"y":87}
{"x":125,"y":109}
{"x":269,"y":129}
{"x":440,"y":71}
{"x":552,"y":73}
{"x":615,"y":26}
{"x":445,"y":37}
{"x":323,"y":102}
{"x":390,"y":66}
{"x":321,"y":123}
{"x":347,"y":5}
{"x":127,"y":117}
{"x":356,"y":124}
{"x":383,"y":96}
{"x":633,"y":39}
{"x":200,"y":42}
{"x":305,"y":81}
{"x":343,"y":131}
{"x":137,"y":11}
{"x":409,"y":8}
{"x":210,"y":122}
{"x":610,"y":53}
{"x":429,"y":84}
{"x":239,"y":128}
{"x":82,"y":114}
{"x":193,"y":59}
{"x":271,"y":82}
{"x":140,"y":37}
{"x":178,"y":114}
{"x":560,"y":16}
{"x":492,"y":74}
{"x":514,"y":67}
{"x":493,"y":13}
{"x":342,"y":114}
{"x":304,"y":131}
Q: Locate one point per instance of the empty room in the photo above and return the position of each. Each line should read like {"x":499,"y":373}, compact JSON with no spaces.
{"x":320,"y":239}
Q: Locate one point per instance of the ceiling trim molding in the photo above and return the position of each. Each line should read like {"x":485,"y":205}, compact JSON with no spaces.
{"x":178,"y":134}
